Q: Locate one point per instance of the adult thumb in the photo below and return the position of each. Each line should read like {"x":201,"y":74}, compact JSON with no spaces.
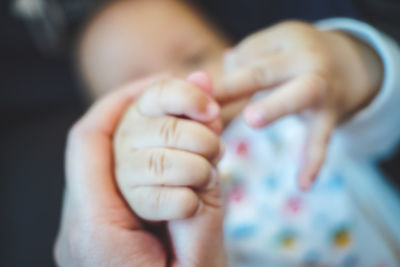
{"x":198,"y":241}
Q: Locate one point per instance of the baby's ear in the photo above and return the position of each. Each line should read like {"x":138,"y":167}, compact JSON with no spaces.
{"x":202,"y":80}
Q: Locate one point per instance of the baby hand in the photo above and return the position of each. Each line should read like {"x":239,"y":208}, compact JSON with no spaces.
{"x":329,"y":74}
{"x":166,"y":148}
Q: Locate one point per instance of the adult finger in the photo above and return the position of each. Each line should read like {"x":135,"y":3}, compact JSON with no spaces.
{"x":321,"y":127}
{"x":179,"y":98}
{"x":163,"y":167}
{"x":303,"y":92}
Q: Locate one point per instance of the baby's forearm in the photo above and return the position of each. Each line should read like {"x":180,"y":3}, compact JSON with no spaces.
{"x":371,"y":65}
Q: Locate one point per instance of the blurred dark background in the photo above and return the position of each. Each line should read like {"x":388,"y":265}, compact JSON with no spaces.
{"x":38,"y":103}
{"x":40,"y":98}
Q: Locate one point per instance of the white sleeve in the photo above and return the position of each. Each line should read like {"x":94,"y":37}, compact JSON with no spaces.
{"x":373,"y":132}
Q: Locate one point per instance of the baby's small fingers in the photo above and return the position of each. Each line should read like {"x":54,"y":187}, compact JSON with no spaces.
{"x":162,"y":167}
{"x":232,"y":109}
{"x":320,"y":129}
{"x":163,"y":203}
{"x":301,"y":93}
{"x":263,"y":74}
{"x":170,"y":132}
{"x":179,"y":98}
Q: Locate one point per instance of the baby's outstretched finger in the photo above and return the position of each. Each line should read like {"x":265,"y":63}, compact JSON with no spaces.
{"x":304,"y":92}
{"x":321,"y":127}
{"x":263,"y":74}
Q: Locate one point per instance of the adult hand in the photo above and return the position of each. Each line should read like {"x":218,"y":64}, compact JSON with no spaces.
{"x":324,"y":75}
{"x":98,"y":228}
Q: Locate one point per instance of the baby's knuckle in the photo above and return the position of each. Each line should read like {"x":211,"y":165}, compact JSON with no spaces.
{"x":154,"y":93}
{"x":203,"y":141}
{"x":257,"y":76}
{"x":203,"y":170}
{"x":212,"y":146}
{"x":316,"y":84}
{"x":157,"y":163}
{"x":160,"y":88}
{"x":170,"y":131}
{"x":322,"y":58}
{"x":190,"y":202}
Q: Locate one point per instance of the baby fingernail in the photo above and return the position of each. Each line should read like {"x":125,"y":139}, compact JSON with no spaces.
{"x":254,"y":116}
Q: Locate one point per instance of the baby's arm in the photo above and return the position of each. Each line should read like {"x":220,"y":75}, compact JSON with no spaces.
{"x":373,"y":132}
{"x":166,"y":149}
{"x":327,"y":76}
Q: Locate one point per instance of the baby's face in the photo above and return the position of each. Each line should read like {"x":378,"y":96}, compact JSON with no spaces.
{"x":132,"y":39}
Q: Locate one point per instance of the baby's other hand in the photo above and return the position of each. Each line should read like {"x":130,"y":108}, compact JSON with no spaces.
{"x":324,"y":75}
{"x":166,"y":148}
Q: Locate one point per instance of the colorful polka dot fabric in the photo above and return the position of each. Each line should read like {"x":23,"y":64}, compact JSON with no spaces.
{"x":270,"y":222}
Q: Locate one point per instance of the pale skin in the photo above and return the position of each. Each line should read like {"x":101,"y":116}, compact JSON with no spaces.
{"x":325,"y":76}
{"x":170,"y":158}
{"x":98,"y":225}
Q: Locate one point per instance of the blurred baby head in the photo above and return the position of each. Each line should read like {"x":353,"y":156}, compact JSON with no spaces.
{"x":133,"y":38}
